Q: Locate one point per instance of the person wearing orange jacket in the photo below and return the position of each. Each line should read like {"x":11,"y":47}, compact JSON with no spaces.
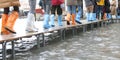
{"x":8,"y":20}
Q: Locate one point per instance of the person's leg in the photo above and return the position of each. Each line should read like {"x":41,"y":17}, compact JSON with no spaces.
{"x":69,"y":11}
{"x":88,"y":14}
{"x":4,"y":20}
{"x":12,"y":19}
{"x":98,"y":12}
{"x":46,"y":17}
{"x":101,"y":12}
{"x":78,"y":14}
{"x":52,"y":17}
{"x":73,"y":14}
{"x":31,"y":18}
{"x":91,"y":13}
{"x":59,"y":12}
{"x":94,"y":12}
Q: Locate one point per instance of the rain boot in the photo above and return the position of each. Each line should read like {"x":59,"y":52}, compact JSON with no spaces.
{"x":11,"y":21}
{"x":73,"y":19}
{"x":60,"y":20}
{"x":91,"y":17}
{"x":94,"y":17}
{"x":52,"y":18}
{"x":68,"y":18}
{"x":109,"y":16}
{"x":46,"y":21}
{"x":4,"y":21}
{"x":88,"y":17}
{"x":78,"y":16}
{"x":30,"y":27}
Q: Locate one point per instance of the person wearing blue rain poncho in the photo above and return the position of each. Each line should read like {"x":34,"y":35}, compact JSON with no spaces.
{"x":46,"y":5}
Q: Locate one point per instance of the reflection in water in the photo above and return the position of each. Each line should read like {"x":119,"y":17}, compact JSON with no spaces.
{"x":99,"y":44}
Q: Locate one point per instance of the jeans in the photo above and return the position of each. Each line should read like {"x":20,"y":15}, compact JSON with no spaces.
{"x":71,"y":9}
{"x":47,"y":8}
{"x":79,"y":13}
{"x":32,"y":4}
{"x":99,"y":11}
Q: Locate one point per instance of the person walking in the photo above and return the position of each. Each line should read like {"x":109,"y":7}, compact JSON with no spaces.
{"x":79,"y":12}
{"x":30,"y":24}
{"x":90,"y":7}
{"x":100,"y":5}
{"x":56,"y":6}
{"x":106,"y":10}
{"x":71,"y":11}
{"x":113,"y":7}
{"x":118,"y":10}
{"x":46,"y":5}
{"x":8,"y":20}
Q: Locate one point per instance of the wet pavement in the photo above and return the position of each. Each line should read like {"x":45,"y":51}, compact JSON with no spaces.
{"x":98,"y":44}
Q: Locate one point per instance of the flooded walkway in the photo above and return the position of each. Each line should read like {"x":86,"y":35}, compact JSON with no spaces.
{"x":98,"y":44}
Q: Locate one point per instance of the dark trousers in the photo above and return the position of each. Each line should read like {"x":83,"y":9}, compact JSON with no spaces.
{"x":6,"y":10}
{"x":56,"y":7}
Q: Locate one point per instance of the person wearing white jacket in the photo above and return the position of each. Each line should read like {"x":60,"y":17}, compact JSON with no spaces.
{"x":30,"y":24}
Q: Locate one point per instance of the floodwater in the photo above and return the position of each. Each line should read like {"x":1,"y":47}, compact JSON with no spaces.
{"x":99,"y":44}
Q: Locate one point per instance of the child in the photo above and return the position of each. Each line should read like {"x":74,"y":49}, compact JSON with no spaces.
{"x":8,"y":20}
{"x":56,"y":6}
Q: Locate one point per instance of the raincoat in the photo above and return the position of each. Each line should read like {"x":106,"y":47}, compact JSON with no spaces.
{"x":8,"y":3}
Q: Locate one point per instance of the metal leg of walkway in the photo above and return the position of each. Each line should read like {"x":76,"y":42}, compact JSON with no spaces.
{"x":98,"y":24}
{"x":105,"y":23}
{"x":43,"y":39}
{"x":13,"y":49}
{"x":73,"y":31}
{"x":119,"y":20}
{"x":115,"y":20}
{"x":102,"y":23}
{"x":62,"y":34}
{"x":38,"y":40}
{"x":92,"y":26}
{"x":112,"y":21}
{"x":84,"y":28}
{"x":109,"y":21}
{"x":4,"y":51}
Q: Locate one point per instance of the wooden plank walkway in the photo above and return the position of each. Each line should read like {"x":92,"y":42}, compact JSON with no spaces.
{"x":13,"y":37}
